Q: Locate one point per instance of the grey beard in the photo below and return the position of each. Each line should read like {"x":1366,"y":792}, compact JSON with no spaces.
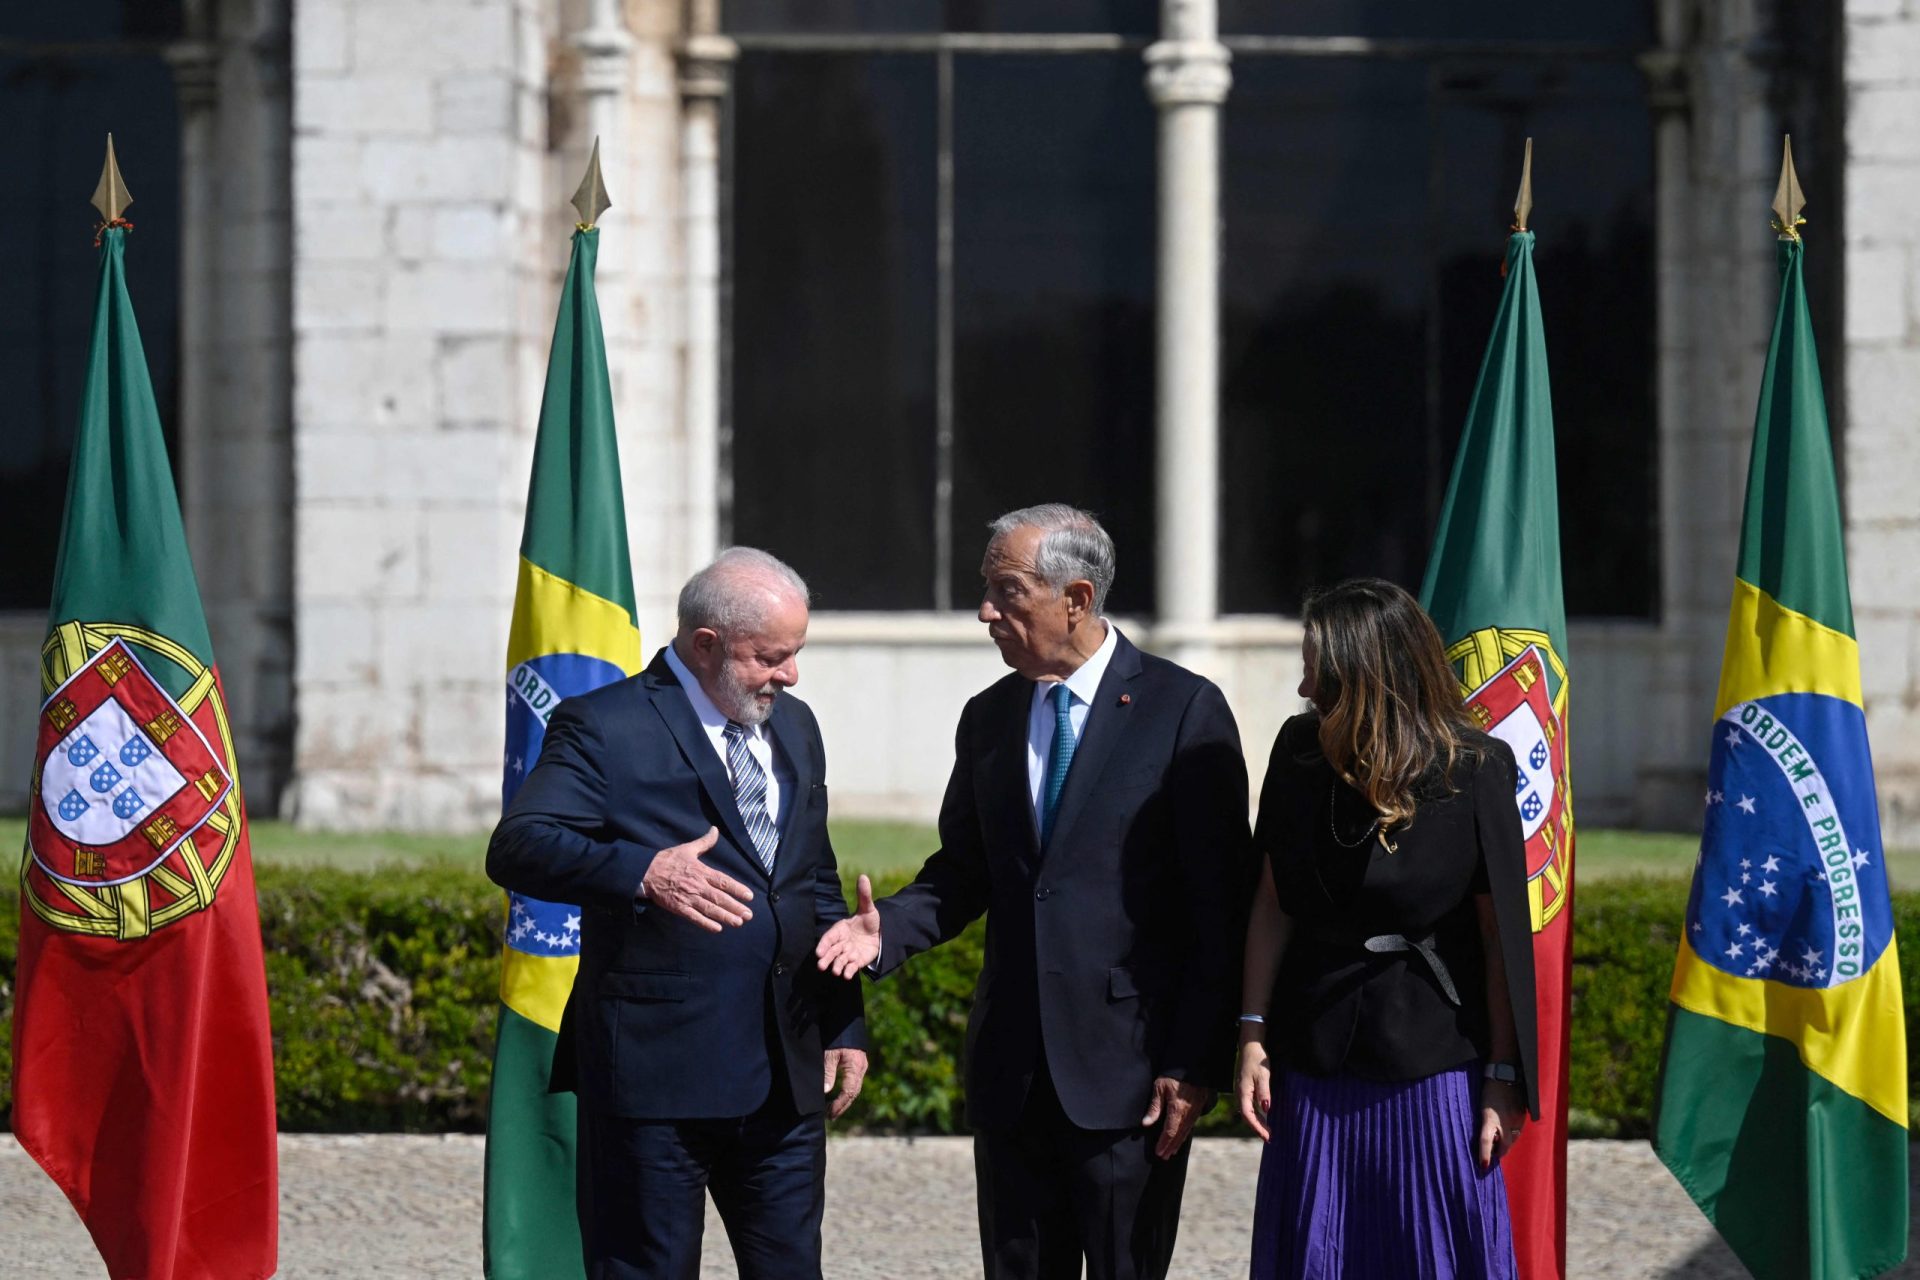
{"x":738,"y":700}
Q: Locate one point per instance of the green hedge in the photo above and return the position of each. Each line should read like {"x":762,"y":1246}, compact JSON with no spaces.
{"x":383,"y":995}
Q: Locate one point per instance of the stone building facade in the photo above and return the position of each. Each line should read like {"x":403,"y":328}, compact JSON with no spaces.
{"x":373,"y":223}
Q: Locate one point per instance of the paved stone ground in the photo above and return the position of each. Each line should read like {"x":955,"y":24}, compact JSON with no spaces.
{"x":902,"y":1209}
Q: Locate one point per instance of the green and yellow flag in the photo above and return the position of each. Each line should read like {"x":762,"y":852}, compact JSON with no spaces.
{"x":1783,"y":1094}
{"x":573,"y":630}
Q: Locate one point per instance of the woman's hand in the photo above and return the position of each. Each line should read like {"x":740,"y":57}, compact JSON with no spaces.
{"x":1253,"y":1086}
{"x":1503,"y":1110}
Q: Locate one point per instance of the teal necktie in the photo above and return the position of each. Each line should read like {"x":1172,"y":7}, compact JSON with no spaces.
{"x":1058,"y":759}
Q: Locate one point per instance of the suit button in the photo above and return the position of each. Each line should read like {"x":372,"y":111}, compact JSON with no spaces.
{"x":780,"y":970}
{"x":1041,"y":895}
{"x":773,"y":899}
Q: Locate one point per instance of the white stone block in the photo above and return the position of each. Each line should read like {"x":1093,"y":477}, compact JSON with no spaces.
{"x":1883,"y":53}
{"x":443,"y":298}
{"x":1882,"y":473}
{"x":476,"y":380}
{"x":336,"y":643}
{"x":326,"y":169}
{"x":424,"y":644}
{"x":1883,"y":388}
{"x":1881,"y":198}
{"x":364,"y":104}
{"x":1877,"y":304}
{"x":434,"y":36}
{"x":340,"y":466}
{"x":470,"y":552}
{"x":1886,"y":651}
{"x":488,"y":104}
{"x":1856,"y":10}
{"x":345,"y":553}
{"x":334,"y":297}
{"x":453,"y":721}
{"x":1881,"y":123}
{"x":479,"y":232}
{"x":351,"y":727}
{"x":322,"y":36}
{"x":452,"y":465}
{"x":440,"y":169}
{"x":339,"y":232}
{"x":1883,"y":565}
{"x":359,"y":382}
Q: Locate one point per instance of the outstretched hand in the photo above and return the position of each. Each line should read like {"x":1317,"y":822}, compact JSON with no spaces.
{"x":678,"y":881}
{"x":854,"y":943}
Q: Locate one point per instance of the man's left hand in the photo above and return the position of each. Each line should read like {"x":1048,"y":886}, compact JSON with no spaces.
{"x":1179,"y":1105}
{"x":849,"y":1067}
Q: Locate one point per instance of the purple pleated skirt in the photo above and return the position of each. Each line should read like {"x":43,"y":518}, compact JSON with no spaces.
{"x":1371,"y":1180}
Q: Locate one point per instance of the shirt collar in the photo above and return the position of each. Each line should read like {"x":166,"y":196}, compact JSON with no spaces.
{"x":714,"y":719}
{"x":1084,"y":683}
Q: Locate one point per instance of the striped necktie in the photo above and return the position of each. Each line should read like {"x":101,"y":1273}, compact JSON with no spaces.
{"x":750,"y":794}
{"x":1059,"y":759}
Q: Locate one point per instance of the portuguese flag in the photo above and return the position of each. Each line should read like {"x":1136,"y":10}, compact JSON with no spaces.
{"x":143,"y":1062}
{"x":1782,"y":1106}
{"x":573,"y":630}
{"x":1493,"y":588}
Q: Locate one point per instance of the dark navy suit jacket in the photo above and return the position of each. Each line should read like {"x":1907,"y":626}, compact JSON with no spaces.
{"x":666,"y":1020}
{"x":1115,"y":951}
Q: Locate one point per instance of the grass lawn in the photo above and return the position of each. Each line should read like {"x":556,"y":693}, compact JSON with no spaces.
{"x":883,"y":847}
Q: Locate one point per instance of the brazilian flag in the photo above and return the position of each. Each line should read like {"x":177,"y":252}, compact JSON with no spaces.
{"x":1782,"y":1106}
{"x":573,"y":630}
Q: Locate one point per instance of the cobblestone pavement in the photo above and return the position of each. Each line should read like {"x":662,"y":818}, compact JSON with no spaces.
{"x":898,"y":1209}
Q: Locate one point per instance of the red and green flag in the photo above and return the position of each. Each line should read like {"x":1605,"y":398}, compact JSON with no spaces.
{"x":1782,"y":1105}
{"x":143,"y":1061}
{"x":573,"y":630}
{"x":1493,"y":588}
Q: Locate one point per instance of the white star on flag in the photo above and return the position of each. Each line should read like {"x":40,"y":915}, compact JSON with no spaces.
{"x":1811,"y":957}
{"x":573,"y":924}
{"x":1731,"y":896}
{"x":1861,"y":859}
{"x":1746,"y":804}
{"x":1744,"y":929}
{"x":1734,"y":949}
{"x":1766,"y":887}
{"x":1745,"y":863}
{"x":1733,"y":737}
{"x":1771,"y":864}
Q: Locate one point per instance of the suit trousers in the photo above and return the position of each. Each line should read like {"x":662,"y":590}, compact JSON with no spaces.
{"x":1052,"y":1194}
{"x":643,"y":1188}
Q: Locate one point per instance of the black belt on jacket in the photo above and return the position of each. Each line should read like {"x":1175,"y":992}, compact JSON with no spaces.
{"x":1383,"y":943}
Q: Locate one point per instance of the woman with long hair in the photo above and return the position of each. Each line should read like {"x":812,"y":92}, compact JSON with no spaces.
{"x":1387,"y":1044}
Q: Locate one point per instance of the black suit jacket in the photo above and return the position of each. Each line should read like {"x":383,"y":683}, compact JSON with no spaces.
{"x":1338,"y":1007}
{"x":1115,"y":951}
{"x":667,"y":1020}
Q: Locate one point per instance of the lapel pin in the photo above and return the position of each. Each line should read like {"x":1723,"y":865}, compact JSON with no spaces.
{"x":1126,"y":699}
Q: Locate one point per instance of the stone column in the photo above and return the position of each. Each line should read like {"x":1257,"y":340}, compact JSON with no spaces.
{"x":1187,"y":78}
{"x":706,"y":65}
{"x":1880,"y":377}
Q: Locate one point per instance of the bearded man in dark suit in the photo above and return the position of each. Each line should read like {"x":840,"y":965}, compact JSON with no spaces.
{"x":1097,"y":815}
{"x":685,"y":811}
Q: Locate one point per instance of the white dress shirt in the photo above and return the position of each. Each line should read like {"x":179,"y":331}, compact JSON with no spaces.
{"x":714,"y":721}
{"x":1083,"y":684}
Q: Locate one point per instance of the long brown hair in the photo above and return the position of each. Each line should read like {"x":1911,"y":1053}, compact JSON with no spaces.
{"x":1390,"y":707}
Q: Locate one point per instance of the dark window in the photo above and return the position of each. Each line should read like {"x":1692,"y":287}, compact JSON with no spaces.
{"x":915,"y":17}
{"x":69,"y":73}
{"x":833,"y":322}
{"x":1053,"y":306}
{"x":1366,"y":205}
{"x":1627,"y":23}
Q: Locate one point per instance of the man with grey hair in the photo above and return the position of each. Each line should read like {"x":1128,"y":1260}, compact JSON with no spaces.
{"x":685,"y":812}
{"x":1097,"y":815}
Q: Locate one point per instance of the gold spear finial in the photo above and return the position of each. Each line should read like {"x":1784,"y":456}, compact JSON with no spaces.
{"x":111,"y":197}
{"x":1788,"y":200}
{"x":1523,"y":201}
{"x":590,"y":201}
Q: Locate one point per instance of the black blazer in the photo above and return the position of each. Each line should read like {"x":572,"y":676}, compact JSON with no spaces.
{"x":1338,"y":1007}
{"x":1116,"y":950}
{"x":666,"y":1020}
